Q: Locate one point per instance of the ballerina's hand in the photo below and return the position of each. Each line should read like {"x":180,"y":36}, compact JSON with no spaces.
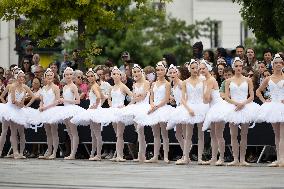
{"x":152,"y":110}
{"x":191,"y":112}
{"x":239,"y":106}
{"x":60,"y":101}
{"x":93,"y":107}
{"x":41,"y":109}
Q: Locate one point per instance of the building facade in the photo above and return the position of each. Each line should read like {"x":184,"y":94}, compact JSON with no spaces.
{"x":7,"y":44}
{"x":228,"y":29}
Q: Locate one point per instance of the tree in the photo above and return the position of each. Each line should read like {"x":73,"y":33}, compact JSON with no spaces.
{"x":264,"y":17}
{"x":151,"y":35}
{"x":53,"y":17}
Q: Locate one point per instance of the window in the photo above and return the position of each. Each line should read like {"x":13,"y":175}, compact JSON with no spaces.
{"x":216,"y":34}
{"x":243,"y":32}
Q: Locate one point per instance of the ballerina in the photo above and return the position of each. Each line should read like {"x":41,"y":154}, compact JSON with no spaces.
{"x":215,"y":117}
{"x":93,"y":116}
{"x":14,"y":112}
{"x":114,"y":113}
{"x":242,"y":110}
{"x":138,"y":106}
{"x":69,"y":110}
{"x":192,"y":111}
{"x":272,"y":110}
{"x":157,"y":115}
{"x":49,"y":99}
{"x":176,"y":97}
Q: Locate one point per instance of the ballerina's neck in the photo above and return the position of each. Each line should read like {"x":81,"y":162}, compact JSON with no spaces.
{"x":207,"y":76}
{"x":161,"y":79}
{"x":69,"y":82}
{"x":278,"y":73}
{"x":194,"y":77}
{"x":238,"y":75}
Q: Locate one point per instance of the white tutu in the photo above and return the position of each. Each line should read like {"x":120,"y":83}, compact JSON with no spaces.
{"x":133,"y":110}
{"x":160,"y":115}
{"x":69,"y":111}
{"x":271,"y":112}
{"x":2,"y":108}
{"x":181,"y":116}
{"x":11,"y":112}
{"x":32,"y":116}
{"x":100,"y":115}
{"x":51,"y":115}
{"x":216,"y":113}
{"x":246,"y":115}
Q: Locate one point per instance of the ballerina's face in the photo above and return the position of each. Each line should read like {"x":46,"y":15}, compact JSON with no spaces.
{"x":278,"y":64}
{"x":49,"y":77}
{"x":91,"y":77}
{"x":21,"y":78}
{"x":203,"y":69}
{"x":193,"y":69}
{"x":136,"y":74}
{"x":160,"y":71}
{"x":238,"y":67}
{"x":173,"y":74}
{"x":116,"y":75}
{"x":68,"y":75}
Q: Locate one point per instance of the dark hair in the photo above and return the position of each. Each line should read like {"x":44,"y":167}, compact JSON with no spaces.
{"x":261,"y":62}
{"x":1,"y":68}
{"x":267,"y":51}
{"x":222,"y":52}
{"x":12,"y":66}
{"x":184,"y":72}
{"x":170,"y":59}
{"x":22,"y":64}
{"x":240,"y":46}
{"x":211,"y":55}
{"x":107,"y":71}
{"x":198,"y":45}
{"x":228,"y":69}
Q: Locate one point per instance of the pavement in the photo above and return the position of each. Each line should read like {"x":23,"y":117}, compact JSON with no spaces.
{"x":79,"y":174}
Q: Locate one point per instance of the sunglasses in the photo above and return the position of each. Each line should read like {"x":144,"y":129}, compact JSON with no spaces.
{"x":79,"y":77}
{"x":250,"y":75}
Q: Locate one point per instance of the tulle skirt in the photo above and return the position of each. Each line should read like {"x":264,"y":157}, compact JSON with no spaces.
{"x":246,"y":115}
{"x":32,"y":116}
{"x":271,"y":112}
{"x":69,"y":111}
{"x":181,"y":116}
{"x":158,"y":116}
{"x":2,"y":108}
{"x":216,"y":113}
{"x":11,"y":112}
{"x":100,"y":115}
{"x":51,"y":115}
{"x":134,"y":110}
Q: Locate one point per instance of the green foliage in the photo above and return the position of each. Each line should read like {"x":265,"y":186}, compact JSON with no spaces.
{"x":264,"y":17}
{"x":53,"y":15}
{"x":259,"y":47}
{"x":151,"y":35}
